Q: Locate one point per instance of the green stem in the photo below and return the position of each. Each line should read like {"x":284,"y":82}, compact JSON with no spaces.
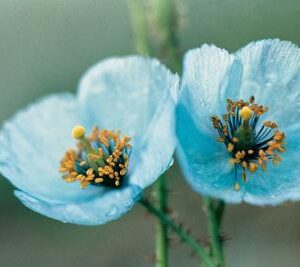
{"x":220,"y":212}
{"x":161,"y":235}
{"x":164,"y":15}
{"x":139,"y":26}
{"x":183,"y":234}
{"x":214,"y":216}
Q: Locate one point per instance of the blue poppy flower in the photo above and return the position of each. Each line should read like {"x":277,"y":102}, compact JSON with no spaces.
{"x":238,"y":122}
{"x":135,"y":95}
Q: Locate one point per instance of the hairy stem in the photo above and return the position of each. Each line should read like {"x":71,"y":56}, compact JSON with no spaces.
{"x":161,"y":234}
{"x":183,"y":234}
{"x":214,"y":218}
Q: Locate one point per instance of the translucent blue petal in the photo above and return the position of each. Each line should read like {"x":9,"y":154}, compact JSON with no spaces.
{"x":134,"y":94}
{"x":32,"y":145}
{"x":279,"y":183}
{"x":207,"y":169}
{"x":138,"y":96}
{"x":271,"y":72}
{"x":94,"y":211}
{"x":210,"y":76}
{"x":204,"y":161}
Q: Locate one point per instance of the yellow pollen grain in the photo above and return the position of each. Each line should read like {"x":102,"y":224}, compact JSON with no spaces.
{"x":237,"y":187}
{"x":254,"y":156}
{"x":252,"y":167}
{"x":123,"y":172}
{"x":99,"y":180}
{"x":101,"y":163}
{"x":261,"y":153}
{"x":89,"y":171}
{"x":270,"y":124}
{"x":230,"y":147}
{"x":240,"y":155}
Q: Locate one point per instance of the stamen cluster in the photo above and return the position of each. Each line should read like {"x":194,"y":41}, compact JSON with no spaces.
{"x":248,"y":147}
{"x":101,"y":158}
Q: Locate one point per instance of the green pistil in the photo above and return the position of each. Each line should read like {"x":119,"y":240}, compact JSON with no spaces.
{"x":245,"y":136}
{"x":87,"y":147}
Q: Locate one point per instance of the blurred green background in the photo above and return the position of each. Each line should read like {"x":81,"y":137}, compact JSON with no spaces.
{"x":45,"y":46}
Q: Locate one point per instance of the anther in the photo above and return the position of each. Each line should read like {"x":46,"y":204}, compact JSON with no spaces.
{"x":248,"y":146}
{"x":252,"y":167}
{"x":100,"y":158}
{"x":230,"y":147}
{"x":237,"y":186}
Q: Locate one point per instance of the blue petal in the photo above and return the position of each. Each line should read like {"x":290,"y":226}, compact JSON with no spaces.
{"x":210,"y":76}
{"x":138,"y":96}
{"x":279,"y":183}
{"x":206,"y":167}
{"x":205,"y":162}
{"x":271,"y":72}
{"x":32,"y":145}
{"x":94,"y":211}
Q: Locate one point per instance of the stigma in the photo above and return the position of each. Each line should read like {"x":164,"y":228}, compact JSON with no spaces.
{"x":250,"y":147}
{"x":102,"y":158}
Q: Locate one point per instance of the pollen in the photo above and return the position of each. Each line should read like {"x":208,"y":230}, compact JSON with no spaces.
{"x":237,"y":187}
{"x":252,"y":167}
{"x":230,"y":147}
{"x":102,"y":158}
{"x":251,"y":144}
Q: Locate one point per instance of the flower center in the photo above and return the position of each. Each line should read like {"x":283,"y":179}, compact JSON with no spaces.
{"x":100,"y":159}
{"x":248,"y":145}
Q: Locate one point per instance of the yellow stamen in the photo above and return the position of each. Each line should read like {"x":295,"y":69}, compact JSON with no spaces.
{"x":252,"y":167}
{"x":99,"y":180}
{"x":270,"y":124}
{"x":249,"y":147}
{"x":237,"y":186}
{"x":244,"y":164}
{"x":250,"y":151}
{"x":230,"y":147}
{"x":97,"y":164}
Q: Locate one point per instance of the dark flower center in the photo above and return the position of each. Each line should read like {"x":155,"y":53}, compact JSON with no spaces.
{"x":100,"y":159}
{"x":250,"y":146}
